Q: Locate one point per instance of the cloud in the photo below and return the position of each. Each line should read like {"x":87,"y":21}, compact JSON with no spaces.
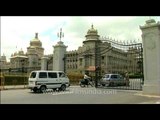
{"x":19,"y":31}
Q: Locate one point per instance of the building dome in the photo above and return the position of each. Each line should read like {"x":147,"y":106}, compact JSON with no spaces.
{"x":92,"y":31}
{"x":21,"y":52}
{"x":36,"y":42}
{"x":92,"y":35}
{"x":15,"y":53}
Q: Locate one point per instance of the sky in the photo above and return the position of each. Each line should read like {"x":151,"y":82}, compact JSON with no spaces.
{"x":18,"y":31}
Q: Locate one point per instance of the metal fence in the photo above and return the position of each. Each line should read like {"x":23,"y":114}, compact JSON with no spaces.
{"x":10,"y":80}
{"x":133,"y":63}
{"x":134,"y":84}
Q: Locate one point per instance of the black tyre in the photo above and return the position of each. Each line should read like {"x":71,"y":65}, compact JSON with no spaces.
{"x":34,"y":90}
{"x":63,"y":87}
{"x":43,"y":89}
{"x":91,"y":83}
{"x":82,"y":85}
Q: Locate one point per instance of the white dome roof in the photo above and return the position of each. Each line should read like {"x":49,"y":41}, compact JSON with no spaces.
{"x":92,"y":31}
{"x":36,"y":42}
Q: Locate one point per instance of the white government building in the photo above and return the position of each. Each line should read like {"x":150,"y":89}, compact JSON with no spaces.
{"x":113,"y":60}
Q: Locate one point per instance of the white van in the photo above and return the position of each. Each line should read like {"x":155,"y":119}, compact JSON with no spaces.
{"x":42,"y":80}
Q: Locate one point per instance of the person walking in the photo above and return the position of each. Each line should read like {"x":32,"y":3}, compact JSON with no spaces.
{"x":127,"y":78}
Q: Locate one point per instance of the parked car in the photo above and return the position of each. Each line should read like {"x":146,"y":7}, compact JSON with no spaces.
{"x":112,"y":80}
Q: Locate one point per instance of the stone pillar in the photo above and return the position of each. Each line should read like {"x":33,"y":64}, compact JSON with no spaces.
{"x":58,"y":56}
{"x":151,"y":57}
{"x":33,"y":60}
{"x":44,"y":64}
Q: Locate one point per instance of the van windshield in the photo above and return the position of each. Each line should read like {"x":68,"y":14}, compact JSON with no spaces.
{"x":33,"y":75}
{"x":62,"y":75}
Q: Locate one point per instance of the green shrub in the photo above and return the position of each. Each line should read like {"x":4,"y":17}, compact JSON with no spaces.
{"x":75,"y":78}
{"x":21,"y":79}
{"x":136,"y":76}
{"x":1,"y":80}
{"x":15,"y":80}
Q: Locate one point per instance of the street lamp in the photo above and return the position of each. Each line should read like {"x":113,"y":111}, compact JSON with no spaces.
{"x":64,"y":59}
{"x":49,"y":60}
{"x":22,"y":63}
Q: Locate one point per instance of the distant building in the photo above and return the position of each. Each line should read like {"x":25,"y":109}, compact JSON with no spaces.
{"x":18,"y":60}
{"x":31,"y":59}
{"x":3,"y":62}
{"x":112,"y":59}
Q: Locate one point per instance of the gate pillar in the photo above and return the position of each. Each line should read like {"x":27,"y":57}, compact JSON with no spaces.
{"x":151,"y":57}
{"x":44,"y":64}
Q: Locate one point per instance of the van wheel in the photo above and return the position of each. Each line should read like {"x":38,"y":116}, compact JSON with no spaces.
{"x":82,"y":85}
{"x":63,"y":87}
{"x":43,"y":89}
{"x":34,"y":90}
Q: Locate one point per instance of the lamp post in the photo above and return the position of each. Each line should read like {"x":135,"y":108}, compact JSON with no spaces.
{"x":48,"y":61}
{"x":22,"y":63}
{"x":64,"y":59}
{"x":97,"y":62}
{"x":47,"y":64}
{"x":60,"y":35}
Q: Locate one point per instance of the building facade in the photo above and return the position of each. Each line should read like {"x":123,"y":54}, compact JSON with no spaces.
{"x":112,"y":59}
{"x":30,"y":60}
{"x":3,"y":62}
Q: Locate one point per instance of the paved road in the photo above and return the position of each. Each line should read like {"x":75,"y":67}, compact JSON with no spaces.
{"x":77,"y":95}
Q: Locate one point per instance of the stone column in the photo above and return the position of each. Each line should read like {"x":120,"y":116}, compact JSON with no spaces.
{"x":44,"y":63}
{"x":33,"y":59}
{"x":58,"y":56}
{"x":151,"y":57}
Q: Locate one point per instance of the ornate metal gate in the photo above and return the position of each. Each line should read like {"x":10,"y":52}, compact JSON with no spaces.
{"x":117,"y":57}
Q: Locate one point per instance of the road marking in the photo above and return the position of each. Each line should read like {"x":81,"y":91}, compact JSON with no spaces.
{"x":62,"y":93}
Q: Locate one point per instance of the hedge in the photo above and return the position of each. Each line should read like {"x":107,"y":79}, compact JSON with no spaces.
{"x":15,"y":80}
{"x":75,"y":78}
{"x":135,"y":76}
{"x":1,"y":80}
{"x":21,"y":80}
